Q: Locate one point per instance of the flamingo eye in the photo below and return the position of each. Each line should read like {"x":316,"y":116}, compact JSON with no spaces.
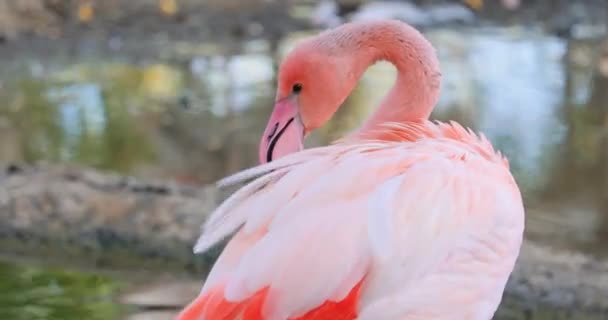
{"x":297,"y":88}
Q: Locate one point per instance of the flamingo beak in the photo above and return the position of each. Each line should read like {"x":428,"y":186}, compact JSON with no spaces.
{"x":284,"y":133}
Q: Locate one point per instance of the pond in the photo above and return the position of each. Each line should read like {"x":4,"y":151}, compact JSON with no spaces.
{"x":197,"y":116}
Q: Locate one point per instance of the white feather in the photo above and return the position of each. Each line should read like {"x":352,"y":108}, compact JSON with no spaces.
{"x":422,"y":225}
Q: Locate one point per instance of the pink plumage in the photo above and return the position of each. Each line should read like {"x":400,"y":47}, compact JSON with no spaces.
{"x":402,"y":219}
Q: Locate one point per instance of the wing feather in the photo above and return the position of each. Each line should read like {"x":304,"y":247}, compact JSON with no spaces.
{"x":447,"y":241}
{"x":389,"y":213}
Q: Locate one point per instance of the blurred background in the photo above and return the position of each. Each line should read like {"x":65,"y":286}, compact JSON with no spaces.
{"x":116,"y":116}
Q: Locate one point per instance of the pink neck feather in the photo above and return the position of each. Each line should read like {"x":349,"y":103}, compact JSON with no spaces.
{"x":416,"y":89}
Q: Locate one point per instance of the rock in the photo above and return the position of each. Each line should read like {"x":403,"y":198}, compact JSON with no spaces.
{"x":153,"y":315}
{"x":563,"y":279}
{"x":164,"y":294}
{"x":102,"y":213}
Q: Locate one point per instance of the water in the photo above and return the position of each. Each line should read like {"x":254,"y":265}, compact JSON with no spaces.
{"x":42,"y":293}
{"x":196,"y":118}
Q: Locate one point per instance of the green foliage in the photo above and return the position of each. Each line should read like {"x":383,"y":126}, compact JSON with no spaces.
{"x":35,"y":293}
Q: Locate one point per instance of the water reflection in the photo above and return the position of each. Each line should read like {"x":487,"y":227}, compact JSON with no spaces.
{"x":200,"y":120}
{"x":515,"y":108}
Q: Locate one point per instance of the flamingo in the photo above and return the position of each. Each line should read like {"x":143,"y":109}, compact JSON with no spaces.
{"x":403,"y":218}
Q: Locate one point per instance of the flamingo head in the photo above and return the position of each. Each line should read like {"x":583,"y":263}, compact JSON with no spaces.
{"x":313,"y":81}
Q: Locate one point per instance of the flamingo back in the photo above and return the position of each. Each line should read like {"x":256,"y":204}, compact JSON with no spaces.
{"x":424,"y":225}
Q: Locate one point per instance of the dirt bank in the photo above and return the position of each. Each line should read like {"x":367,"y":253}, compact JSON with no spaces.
{"x":79,"y":213}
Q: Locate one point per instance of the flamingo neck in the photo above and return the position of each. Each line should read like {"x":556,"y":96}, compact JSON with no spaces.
{"x":416,"y":89}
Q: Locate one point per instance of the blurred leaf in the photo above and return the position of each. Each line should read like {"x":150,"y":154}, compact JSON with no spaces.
{"x":168,"y":7}
{"x":161,"y":81}
{"x":85,"y":11}
{"x":474,"y":4}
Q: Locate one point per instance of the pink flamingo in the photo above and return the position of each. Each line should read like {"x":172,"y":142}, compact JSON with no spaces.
{"x":402,"y":219}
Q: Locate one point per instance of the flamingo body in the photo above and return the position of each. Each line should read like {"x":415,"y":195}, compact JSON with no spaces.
{"x":404,"y":219}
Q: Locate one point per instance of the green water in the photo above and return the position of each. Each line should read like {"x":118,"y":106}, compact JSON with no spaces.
{"x":45,"y":293}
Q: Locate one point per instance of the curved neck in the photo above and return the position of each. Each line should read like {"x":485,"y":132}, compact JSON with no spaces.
{"x":416,"y":89}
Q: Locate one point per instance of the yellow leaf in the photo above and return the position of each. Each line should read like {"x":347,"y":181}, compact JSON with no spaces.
{"x":85,"y":11}
{"x":474,"y":4}
{"x":160,"y":81}
{"x":168,"y":7}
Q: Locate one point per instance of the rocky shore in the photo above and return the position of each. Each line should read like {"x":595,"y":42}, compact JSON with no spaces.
{"x":75,"y":213}
{"x":80,"y":213}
